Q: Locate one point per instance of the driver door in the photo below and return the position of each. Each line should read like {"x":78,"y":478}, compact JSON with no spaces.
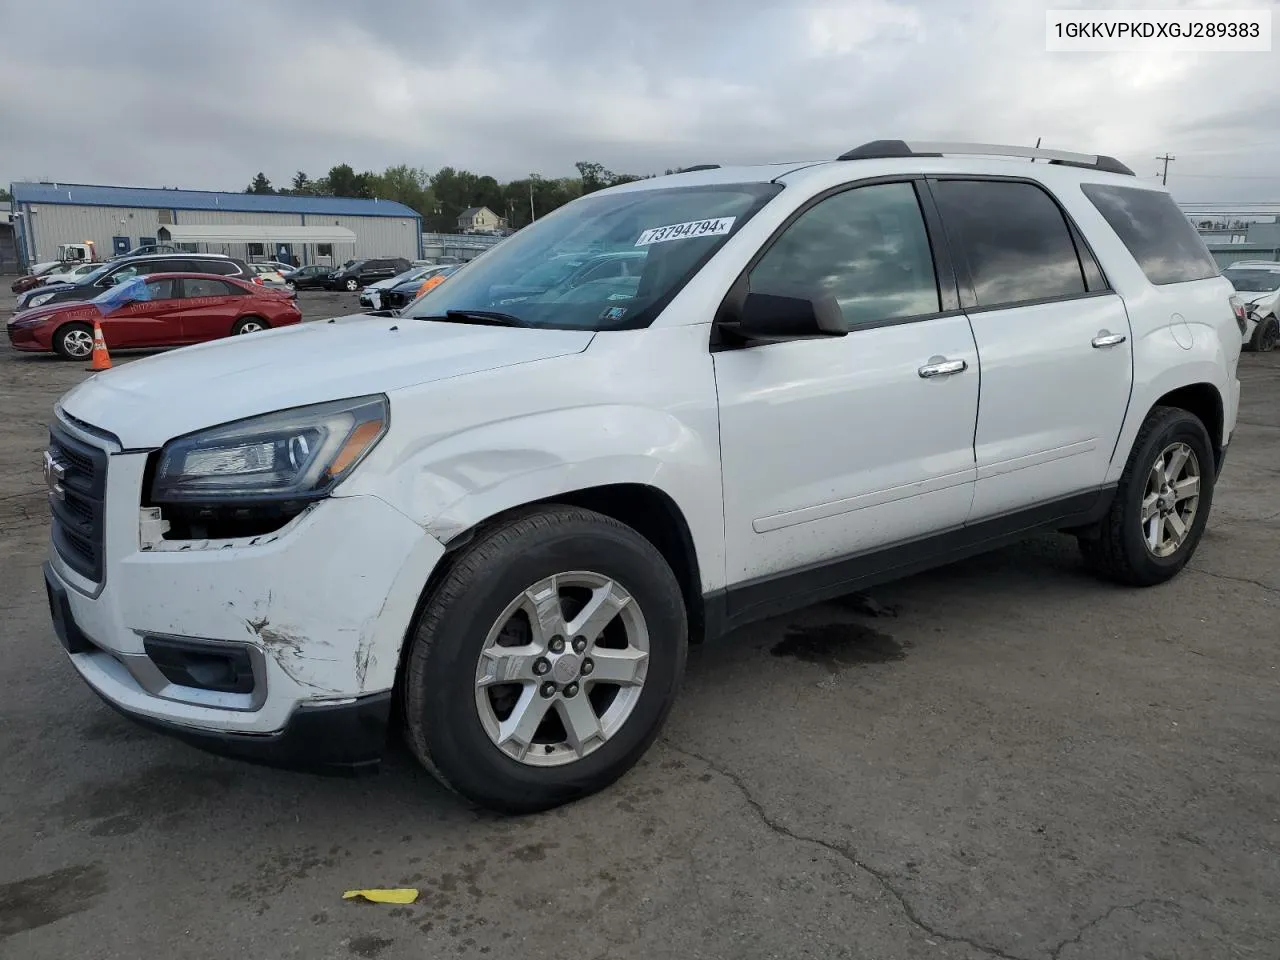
{"x":835,"y":448}
{"x":145,"y":323}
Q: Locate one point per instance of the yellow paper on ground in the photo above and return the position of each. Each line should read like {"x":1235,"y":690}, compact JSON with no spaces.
{"x":397,"y":895}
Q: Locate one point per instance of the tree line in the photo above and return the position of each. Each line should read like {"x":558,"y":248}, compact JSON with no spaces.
{"x":441,"y":196}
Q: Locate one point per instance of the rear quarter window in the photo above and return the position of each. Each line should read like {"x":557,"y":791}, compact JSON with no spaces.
{"x":1155,"y":231}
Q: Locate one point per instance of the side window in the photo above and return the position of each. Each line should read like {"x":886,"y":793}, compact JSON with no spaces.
{"x":193,"y":287}
{"x":1014,"y":238}
{"x":867,"y":247}
{"x":1155,"y":231}
{"x":160,"y":289}
{"x":162,"y":266}
{"x":120,"y":276}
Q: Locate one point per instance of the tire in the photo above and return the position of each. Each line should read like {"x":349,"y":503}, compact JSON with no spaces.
{"x":1265,"y":335}
{"x":352,"y":285}
{"x":454,"y":722}
{"x":249,"y":325}
{"x":74,"y":341}
{"x":1118,"y":548}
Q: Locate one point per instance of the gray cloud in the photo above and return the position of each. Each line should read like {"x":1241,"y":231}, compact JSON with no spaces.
{"x":205,"y":95}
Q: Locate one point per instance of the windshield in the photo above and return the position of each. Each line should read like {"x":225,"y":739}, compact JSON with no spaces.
{"x":529,"y":279}
{"x":1253,"y":281}
{"x":94,"y":275}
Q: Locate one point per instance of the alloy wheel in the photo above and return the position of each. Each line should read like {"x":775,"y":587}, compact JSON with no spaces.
{"x":562,"y":668}
{"x":78,"y":343}
{"x":1171,"y":500}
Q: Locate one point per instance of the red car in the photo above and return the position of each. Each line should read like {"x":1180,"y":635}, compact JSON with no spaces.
{"x":26,"y":282}
{"x":175,"y":309}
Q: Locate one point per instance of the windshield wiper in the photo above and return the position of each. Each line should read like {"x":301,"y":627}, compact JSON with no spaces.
{"x":491,"y":318}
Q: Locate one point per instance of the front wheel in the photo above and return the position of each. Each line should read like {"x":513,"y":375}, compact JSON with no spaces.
{"x":546,"y":660}
{"x":74,"y":341}
{"x":1265,"y":335}
{"x":1161,"y":504}
{"x":352,"y":285}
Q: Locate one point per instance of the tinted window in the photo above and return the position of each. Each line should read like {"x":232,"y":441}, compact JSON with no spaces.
{"x":867,"y":247}
{"x":193,"y":287}
{"x":160,"y":289}
{"x":1013,"y":237}
{"x":1155,"y":231}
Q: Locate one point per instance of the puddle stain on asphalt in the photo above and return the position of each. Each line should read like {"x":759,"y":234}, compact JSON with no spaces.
{"x":41,"y":900}
{"x":838,"y":646}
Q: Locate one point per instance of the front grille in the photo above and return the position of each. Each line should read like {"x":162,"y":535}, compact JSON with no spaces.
{"x":78,"y":523}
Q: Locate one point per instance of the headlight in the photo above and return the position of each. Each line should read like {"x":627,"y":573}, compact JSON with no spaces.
{"x":43,"y":298}
{"x":298,"y":454}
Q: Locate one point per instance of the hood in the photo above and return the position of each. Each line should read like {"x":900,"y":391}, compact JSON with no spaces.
{"x":150,"y":401}
{"x":71,"y":307}
{"x":1253,"y":296}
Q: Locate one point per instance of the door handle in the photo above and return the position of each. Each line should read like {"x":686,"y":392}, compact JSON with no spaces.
{"x":1105,"y":339}
{"x":942,"y":368}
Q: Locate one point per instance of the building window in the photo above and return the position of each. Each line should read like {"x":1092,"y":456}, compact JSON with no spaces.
{"x":324,"y":249}
{"x":165,"y":216}
{"x":255,"y":250}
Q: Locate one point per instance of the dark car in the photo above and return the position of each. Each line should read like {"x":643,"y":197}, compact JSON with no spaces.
{"x":403,"y":294}
{"x":145,"y":250}
{"x":354,"y":274}
{"x":117,"y":271}
{"x":315,"y":276}
{"x":164,"y":310}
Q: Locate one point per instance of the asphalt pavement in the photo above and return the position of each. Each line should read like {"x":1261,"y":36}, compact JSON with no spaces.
{"x":1003,"y":758}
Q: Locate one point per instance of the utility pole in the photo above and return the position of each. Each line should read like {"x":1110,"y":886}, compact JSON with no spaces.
{"x":532,"y":216}
{"x":1164,"y":174}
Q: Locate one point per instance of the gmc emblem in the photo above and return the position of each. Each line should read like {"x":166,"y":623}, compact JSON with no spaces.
{"x":54,"y":471}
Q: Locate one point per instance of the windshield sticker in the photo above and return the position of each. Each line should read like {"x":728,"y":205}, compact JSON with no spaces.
{"x":714,"y":227}
{"x":614,"y":313}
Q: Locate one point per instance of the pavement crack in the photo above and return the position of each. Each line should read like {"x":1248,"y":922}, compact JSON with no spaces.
{"x":1225,"y":576}
{"x":1056,"y":952}
{"x":880,"y":876}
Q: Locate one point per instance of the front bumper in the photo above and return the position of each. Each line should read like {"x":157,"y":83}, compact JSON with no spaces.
{"x":24,"y":338}
{"x":323,"y":606}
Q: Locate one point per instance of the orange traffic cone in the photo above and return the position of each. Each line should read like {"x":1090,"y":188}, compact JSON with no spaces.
{"x":101,"y":359}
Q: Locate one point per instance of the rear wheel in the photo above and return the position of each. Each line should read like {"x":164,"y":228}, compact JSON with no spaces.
{"x":74,"y":341}
{"x":1265,"y":335}
{"x":546,"y":661}
{"x":1161,"y":504}
{"x":352,"y":285}
{"x":249,"y":325}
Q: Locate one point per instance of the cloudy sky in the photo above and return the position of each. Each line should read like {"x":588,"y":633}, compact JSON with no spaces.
{"x":203,"y":95}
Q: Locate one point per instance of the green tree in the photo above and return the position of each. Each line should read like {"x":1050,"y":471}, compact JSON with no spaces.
{"x":345,"y":182}
{"x":4,"y":196}
{"x":260,"y":184}
{"x":301,"y":182}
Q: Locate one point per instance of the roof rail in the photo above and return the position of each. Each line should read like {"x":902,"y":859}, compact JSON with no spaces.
{"x":699,"y":166}
{"x":882,"y":149}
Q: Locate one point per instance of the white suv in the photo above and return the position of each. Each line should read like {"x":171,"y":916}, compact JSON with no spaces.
{"x":500,"y":517}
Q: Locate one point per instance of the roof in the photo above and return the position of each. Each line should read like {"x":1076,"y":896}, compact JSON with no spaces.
{"x":472,"y":211}
{"x":253,"y":233}
{"x":81,"y":194}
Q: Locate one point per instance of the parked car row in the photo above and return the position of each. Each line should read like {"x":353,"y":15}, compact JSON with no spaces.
{"x":154,"y":310}
{"x":112,"y":272}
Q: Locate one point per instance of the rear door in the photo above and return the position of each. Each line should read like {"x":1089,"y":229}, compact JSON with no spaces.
{"x":209,"y":307}
{"x":1053,"y":340}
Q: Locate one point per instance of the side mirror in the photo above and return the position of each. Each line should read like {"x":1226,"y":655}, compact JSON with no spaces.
{"x":771,"y":316}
